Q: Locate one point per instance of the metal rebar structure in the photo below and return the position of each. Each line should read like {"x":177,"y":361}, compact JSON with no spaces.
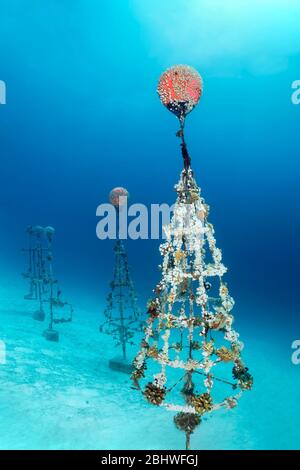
{"x":122,"y":313}
{"x":43,"y":287}
{"x":190,"y":361}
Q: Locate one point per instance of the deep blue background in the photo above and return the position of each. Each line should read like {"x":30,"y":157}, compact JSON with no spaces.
{"x":82,"y":116}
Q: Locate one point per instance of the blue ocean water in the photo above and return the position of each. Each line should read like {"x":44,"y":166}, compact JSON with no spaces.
{"x":82,"y":116}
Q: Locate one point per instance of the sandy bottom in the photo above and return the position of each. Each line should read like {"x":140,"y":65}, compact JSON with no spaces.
{"x":64,"y":396}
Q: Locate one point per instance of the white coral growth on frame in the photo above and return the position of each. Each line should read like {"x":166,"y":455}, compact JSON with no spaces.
{"x":189,"y":328}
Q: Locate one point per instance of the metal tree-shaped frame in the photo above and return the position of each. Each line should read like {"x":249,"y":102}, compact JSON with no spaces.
{"x":43,"y":287}
{"x":190,"y":346}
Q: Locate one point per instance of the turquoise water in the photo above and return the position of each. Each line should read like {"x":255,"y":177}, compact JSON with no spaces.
{"x":82,"y":117}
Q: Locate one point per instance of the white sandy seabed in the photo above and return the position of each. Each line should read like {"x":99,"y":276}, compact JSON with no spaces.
{"x":64,"y":396}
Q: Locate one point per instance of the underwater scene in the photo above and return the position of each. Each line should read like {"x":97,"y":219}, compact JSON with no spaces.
{"x":149,"y":242}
